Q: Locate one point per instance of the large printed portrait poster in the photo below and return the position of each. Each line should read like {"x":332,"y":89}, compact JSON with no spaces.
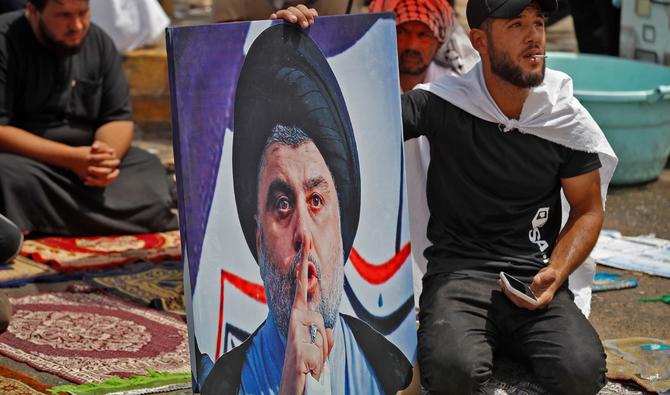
{"x":293,"y":206}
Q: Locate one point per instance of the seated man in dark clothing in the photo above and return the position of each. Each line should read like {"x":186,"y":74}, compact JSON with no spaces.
{"x":66,"y":165}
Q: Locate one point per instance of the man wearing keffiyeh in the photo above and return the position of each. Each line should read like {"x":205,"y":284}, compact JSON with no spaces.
{"x":422,"y":27}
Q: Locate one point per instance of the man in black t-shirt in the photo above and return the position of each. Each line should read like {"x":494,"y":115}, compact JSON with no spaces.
{"x":495,"y":205}
{"x":504,"y":143}
{"x":66,"y":165}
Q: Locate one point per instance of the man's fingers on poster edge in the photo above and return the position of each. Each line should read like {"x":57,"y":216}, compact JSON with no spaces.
{"x":309,"y":13}
{"x":302,"y":18}
{"x":300,"y":15}
{"x":285,"y":15}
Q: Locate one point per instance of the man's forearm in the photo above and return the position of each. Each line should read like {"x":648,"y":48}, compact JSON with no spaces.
{"x":116,"y":134}
{"x":21,"y":142}
{"x":576,"y":241}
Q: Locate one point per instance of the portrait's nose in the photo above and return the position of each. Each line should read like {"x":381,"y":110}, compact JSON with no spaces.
{"x":302,"y":237}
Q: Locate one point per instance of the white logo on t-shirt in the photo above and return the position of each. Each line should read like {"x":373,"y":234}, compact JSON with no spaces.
{"x":538,"y":221}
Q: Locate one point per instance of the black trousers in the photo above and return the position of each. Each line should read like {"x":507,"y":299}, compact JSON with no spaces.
{"x":465,"y":319}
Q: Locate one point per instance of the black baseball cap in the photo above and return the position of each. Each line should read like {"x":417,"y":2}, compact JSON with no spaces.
{"x":478,"y":10}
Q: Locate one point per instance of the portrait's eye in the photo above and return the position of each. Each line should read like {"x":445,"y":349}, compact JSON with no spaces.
{"x":283,"y":206}
{"x":316,"y":201}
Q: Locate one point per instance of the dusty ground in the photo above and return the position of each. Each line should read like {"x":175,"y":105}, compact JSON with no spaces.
{"x":636,"y":210}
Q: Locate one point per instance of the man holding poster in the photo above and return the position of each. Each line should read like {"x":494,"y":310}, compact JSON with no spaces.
{"x":296,"y":180}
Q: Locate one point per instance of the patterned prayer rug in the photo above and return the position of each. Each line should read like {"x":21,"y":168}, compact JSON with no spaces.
{"x":15,"y":383}
{"x":22,"y":270}
{"x":93,"y":337}
{"x":159,"y":286}
{"x":87,"y":253}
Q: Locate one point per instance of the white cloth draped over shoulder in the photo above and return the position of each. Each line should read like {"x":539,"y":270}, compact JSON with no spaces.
{"x":551,"y":112}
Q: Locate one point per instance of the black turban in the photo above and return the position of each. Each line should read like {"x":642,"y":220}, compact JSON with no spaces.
{"x":286,"y":80}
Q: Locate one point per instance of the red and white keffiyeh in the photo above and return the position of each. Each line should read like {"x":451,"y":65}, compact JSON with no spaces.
{"x":437,"y":14}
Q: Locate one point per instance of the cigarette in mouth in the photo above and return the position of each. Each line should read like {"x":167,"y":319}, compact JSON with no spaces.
{"x":539,"y":56}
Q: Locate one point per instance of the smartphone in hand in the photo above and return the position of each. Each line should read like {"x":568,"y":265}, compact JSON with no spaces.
{"x":518,"y":288}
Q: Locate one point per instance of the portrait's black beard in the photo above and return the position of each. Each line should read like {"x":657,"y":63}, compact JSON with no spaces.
{"x":280,"y":289}
{"x":503,"y":66}
{"x":415,"y":57}
{"x":58,"y":47}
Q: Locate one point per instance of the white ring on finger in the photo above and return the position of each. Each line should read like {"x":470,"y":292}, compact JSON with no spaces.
{"x":313,"y":330}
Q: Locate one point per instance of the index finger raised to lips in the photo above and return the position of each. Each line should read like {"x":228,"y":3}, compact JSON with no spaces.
{"x":301,"y":281}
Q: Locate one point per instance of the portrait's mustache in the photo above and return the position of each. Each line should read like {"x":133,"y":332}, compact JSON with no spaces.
{"x":296,"y":259}
{"x":281,"y":286}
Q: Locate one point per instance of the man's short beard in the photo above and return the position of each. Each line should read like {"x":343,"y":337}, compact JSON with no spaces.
{"x":418,"y":70}
{"x":280,"y":288}
{"x":503,"y":66}
{"x":58,"y":47}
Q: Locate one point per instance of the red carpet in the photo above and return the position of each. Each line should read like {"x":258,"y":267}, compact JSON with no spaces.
{"x":68,"y":254}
